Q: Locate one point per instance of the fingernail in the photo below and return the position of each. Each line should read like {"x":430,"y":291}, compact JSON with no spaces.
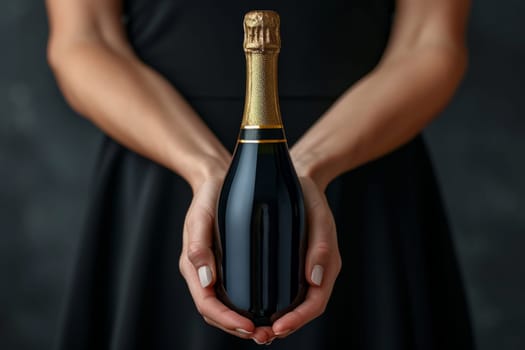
{"x":257,"y":342}
{"x":204,"y":276}
{"x":269,"y":341}
{"x":317,"y":275}
{"x":243,"y":331}
{"x":286,"y":331}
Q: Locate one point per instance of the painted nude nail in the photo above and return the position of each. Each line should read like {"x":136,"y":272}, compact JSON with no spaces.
{"x":269,"y":342}
{"x":204,"y":276}
{"x":317,"y":275}
{"x":243,"y":331}
{"x":283,"y":332}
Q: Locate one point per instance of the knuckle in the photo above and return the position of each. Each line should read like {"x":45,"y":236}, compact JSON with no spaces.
{"x":181,"y":265}
{"x":322,"y":250}
{"x":199,"y":307}
{"x":207,"y":320}
{"x":184,"y":264}
{"x":197,"y":253}
{"x":199,"y":218}
{"x":339,"y":263}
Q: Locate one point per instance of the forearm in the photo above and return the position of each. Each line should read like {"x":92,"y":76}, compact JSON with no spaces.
{"x":140,"y":109}
{"x":381,"y":112}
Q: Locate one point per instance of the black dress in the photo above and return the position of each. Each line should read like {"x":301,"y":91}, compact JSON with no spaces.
{"x":399,"y":288}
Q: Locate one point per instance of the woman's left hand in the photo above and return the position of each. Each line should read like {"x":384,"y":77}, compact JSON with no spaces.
{"x":197,"y":265}
{"x":323,"y":261}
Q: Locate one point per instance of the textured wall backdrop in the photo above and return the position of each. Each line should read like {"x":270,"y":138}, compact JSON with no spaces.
{"x":47,"y":153}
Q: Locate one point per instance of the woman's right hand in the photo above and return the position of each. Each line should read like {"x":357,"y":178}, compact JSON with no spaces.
{"x":197,"y":265}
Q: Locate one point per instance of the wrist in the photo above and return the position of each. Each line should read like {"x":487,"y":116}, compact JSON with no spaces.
{"x":209,"y":169}
{"x":314,"y":166}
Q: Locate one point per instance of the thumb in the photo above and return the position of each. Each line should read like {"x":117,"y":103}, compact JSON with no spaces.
{"x":199,"y":227}
{"x":321,"y":227}
{"x":320,"y":249}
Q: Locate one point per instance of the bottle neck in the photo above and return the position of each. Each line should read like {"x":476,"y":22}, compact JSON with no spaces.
{"x":261,"y":109}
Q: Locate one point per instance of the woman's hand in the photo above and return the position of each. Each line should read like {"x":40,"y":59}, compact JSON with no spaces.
{"x":197,"y":265}
{"x":323,"y":261}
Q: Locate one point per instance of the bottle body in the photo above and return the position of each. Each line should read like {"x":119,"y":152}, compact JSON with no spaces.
{"x":261,"y":234}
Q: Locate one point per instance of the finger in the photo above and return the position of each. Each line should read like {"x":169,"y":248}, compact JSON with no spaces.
{"x":199,"y":234}
{"x":322,"y":262}
{"x":209,"y":306}
{"x":261,"y":335}
{"x":238,"y":333}
{"x":313,"y":306}
{"x":322,"y":237}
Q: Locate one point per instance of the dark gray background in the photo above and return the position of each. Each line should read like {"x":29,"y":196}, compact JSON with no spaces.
{"x":47,"y":153}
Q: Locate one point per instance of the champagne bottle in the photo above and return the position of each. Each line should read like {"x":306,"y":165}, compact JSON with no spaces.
{"x":260,"y":240}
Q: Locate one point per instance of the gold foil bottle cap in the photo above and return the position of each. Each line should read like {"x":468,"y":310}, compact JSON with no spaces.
{"x":261,"y":31}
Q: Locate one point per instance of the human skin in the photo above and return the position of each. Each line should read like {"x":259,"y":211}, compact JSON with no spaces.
{"x":103,"y":80}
